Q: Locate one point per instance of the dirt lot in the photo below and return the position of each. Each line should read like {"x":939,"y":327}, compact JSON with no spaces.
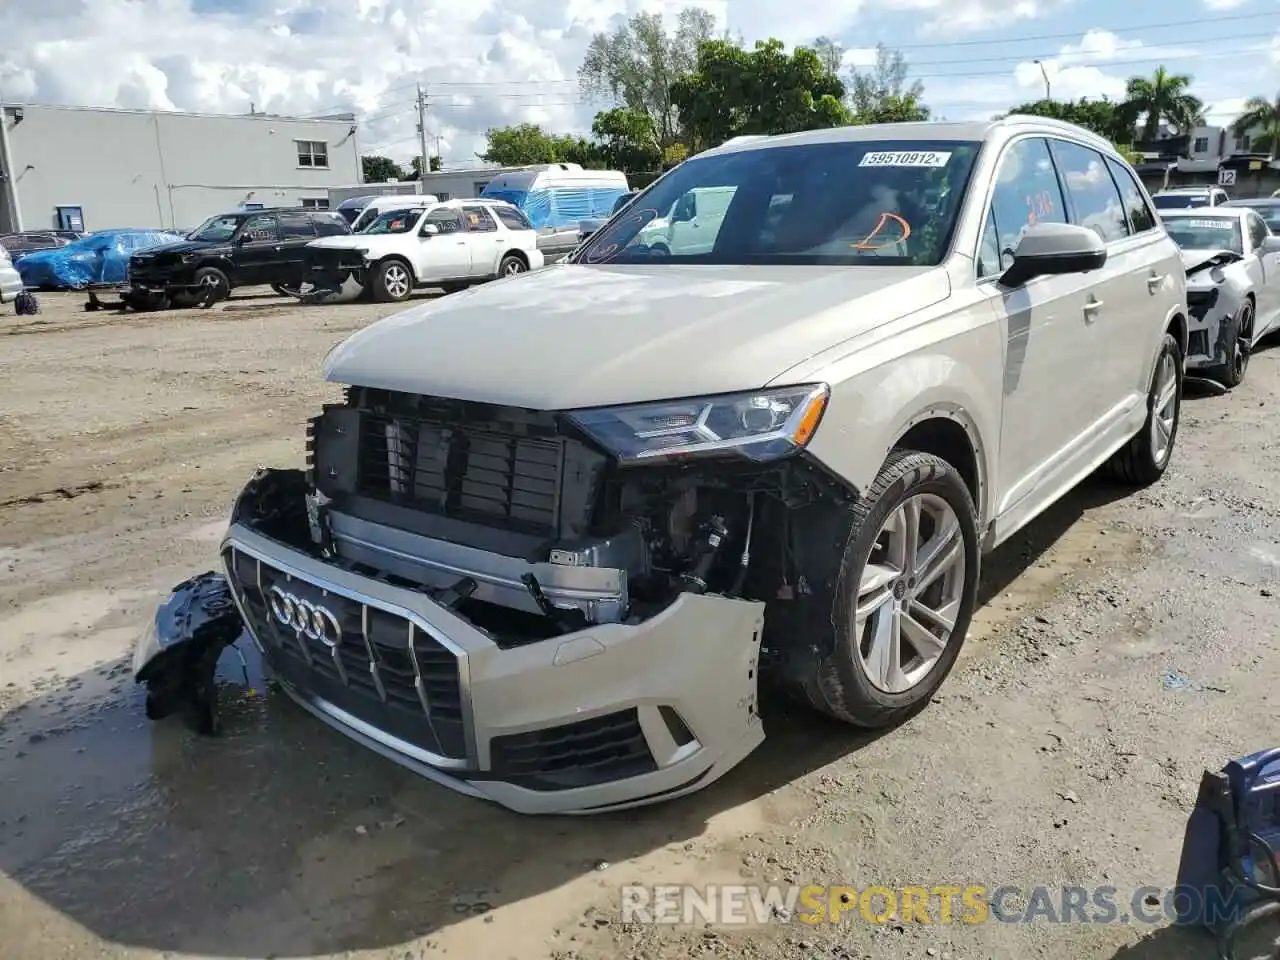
{"x":1124,"y":644}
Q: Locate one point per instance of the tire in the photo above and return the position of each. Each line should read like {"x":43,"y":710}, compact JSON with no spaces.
{"x":512,"y":265}
{"x":391,"y":280}
{"x":214,"y":285}
{"x":841,"y":683}
{"x":1142,"y":461}
{"x":1239,"y":344}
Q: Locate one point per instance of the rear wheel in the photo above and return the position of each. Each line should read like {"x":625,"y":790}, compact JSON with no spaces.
{"x":906,"y":592}
{"x":1142,"y":461}
{"x":391,"y":281}
{"x":511,"y":265}
{"x":1239,"y":344}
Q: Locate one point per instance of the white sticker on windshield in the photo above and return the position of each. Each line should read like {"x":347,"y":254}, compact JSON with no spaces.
{"x":906,"y":158}
{"x":1211,"y":224}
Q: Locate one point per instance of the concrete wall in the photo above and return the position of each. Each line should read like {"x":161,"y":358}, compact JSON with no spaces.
{"x":136,"y":169}
{"x":459,"y":184}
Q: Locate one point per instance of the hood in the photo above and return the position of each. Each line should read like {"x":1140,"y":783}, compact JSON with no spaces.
{"x":180,"y":246}
{"x":573,"y":336}
{"x":375,"y":244}
{"x":1193,"y":261}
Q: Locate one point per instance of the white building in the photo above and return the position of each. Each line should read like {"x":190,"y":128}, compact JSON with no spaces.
{"x":131,"y":168}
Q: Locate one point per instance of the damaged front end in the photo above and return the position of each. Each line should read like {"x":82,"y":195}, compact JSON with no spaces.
{"x":1214,"y":296}
{"x":484,"y":595}
{"x":329,"y":270}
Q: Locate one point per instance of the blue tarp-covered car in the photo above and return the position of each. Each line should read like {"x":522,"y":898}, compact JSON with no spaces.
{"x":100,"y":258}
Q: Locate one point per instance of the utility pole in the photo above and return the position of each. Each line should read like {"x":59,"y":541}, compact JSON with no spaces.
{"x":1044,"y":73}
{"x":438,"y":149}
{"x":8,"y":177}
{"x":424,"y":163}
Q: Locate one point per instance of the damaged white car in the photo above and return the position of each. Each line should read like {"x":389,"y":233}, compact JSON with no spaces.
{"x":560,"y":527}
{"x":1232,"y":261}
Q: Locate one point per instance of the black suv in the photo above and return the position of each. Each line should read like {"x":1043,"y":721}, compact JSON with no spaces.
{"x":245,"y":248}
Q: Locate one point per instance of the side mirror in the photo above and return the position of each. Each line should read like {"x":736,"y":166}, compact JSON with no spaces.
{"x":430,"y":230}
{"x":242,"y":239}
{"x":1271,"y":243}
{"x":1052,"y":249}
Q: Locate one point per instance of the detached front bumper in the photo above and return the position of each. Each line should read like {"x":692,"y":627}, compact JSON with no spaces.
{"x":1209,"y":307}
{"x":608,"y":717}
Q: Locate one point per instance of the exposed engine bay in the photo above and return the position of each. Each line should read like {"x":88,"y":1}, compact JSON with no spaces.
{"x":532,"y":530}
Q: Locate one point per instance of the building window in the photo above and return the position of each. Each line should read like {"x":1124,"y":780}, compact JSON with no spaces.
{"x":315,"y":203}
{"x":313,"y":153}
{"x":480,"y":185}
{"x":1201,"y":145}
{"x":1244,"y":143}
{"x":441,"y":196}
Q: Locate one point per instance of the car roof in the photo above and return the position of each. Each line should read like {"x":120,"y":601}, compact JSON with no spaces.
{"x":277,"y":210}
{"x":959,"y":131}
{"x":1189,"y":190}
{"x":1255,"y":202}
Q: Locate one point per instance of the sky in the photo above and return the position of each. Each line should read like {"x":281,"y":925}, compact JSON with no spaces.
{"x":487,"y":63}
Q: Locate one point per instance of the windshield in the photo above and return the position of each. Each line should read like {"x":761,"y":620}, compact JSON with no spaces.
{"x":395,"y":221}
{"x":1206,"y":233}
{"x":216,"y":229}
{"x":1180,"y":201}
{"x":867,"y":201}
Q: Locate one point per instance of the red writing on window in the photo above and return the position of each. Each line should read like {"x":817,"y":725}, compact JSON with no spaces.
{"x":1039,"y":205}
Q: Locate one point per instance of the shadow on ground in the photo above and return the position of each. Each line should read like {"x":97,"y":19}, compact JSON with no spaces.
{"x":283,"y":838}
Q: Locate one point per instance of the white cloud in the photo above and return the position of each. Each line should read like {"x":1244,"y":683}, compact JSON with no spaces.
{"x":964,"y":16}
{"x":1224,"y":4}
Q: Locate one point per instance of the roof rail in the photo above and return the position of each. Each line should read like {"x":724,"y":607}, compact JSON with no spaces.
{"x":1055,"y":124}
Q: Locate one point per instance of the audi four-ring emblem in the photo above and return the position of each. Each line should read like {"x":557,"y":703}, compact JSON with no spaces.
{"x":307,"y":619}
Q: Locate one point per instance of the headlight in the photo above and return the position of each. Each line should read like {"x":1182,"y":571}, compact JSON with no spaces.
{"x":761,"y":425}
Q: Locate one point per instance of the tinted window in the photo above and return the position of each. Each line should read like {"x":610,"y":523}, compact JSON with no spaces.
{"x":294,"y":227}
{"x":1205,"y":233}
{"x":850,"y":202}
{"x":260,"y":229}
{"x":512,"y":218}
{"x":216,"y":229}
{"x":1140,"y":215}
{"x":1095,"y":201}
{"x":446,"y":220}
{"x":331,"y":226}
{"x":1026,"y":193}
{"x":478,"y":220}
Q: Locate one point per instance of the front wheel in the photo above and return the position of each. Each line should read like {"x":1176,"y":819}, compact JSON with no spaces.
{"x":907,"y":589}
{"x":1142,"y":461}
{"x":392,"y":281}
{"x":213,"y":285}
{"x":1239,"y":337}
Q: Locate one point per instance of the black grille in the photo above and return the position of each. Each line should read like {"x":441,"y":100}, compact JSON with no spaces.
{"x":1199,"y":302}
{"x":483,"y":472}
{"x":581,"y":754}
{"x":385,"y":670}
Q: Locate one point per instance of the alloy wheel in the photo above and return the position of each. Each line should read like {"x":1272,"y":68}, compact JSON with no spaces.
{"x":396,"y":280}
{"x":910,"y":593}
{"x":1164,"y":410}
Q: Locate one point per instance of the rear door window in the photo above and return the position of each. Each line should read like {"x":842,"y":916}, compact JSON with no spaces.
{"x":297,"y":227}
{"x":1095,"y":200}
{"x":478,"y":220}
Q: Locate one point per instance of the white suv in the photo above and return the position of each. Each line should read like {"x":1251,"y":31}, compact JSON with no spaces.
{"x":560,"y":527}
{"x":450,"y":245}
{"x":10,"y":282}
{"x":1186,"y":198}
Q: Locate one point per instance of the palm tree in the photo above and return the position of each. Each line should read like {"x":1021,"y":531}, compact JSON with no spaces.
{"x":1263,"y":114}
{"x":1163,"y":98}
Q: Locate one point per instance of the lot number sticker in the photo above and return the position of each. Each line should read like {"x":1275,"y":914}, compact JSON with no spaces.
{"x":1210,"y":224}
{"x":906,"y":158}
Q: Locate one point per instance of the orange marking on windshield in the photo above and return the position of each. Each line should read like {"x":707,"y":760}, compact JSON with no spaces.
{"x":866,"y":244}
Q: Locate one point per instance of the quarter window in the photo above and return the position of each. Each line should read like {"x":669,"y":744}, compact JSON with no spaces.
{"x":313,"y":153}
{"x":478,"y":220}
{"x":1026,"y":193}
{"x":1095,"y":201}
{"x":512,"y":218}
{"x":1140,"y":215}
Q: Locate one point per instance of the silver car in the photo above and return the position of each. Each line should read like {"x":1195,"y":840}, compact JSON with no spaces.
{"x":561,"y":526}
{"x":1233,"y":286}
{"x":10,"y":282}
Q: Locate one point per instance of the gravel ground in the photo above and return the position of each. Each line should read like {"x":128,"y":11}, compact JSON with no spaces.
{"x":1123,"y":645}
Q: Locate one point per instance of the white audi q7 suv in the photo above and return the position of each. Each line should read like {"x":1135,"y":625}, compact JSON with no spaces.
{"x":562,"y":525}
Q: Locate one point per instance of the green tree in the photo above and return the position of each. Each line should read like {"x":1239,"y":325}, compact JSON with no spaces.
{"x":626,"y":140}
{"x":1102,"y":116}
{"x":528,"y":143}
{"x":762,"y":91}
{"x":415,"y":168}
{"x":637,"y":64}
{"x":830,"y":53}
{"x":1162,"y":98}
{"x":1264,"y":114}
{"x":436,"y":163}
{"x":882,"y":90}
{"x":380,"y":169}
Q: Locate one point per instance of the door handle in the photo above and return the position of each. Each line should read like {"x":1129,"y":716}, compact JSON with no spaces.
{"x":1155,"y":281}
{"x":1092,"y":306}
